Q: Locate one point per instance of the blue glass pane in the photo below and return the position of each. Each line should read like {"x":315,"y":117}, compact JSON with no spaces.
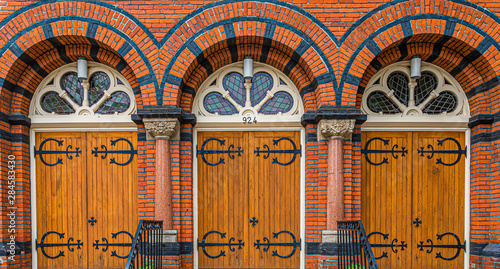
{"x":282,"y":82}
{"x":215,"y":103}
{"x":234,"y":84}
{"x":446,"y":101}
{"x":425,"y":85}
{"x":261,"y":83}
{"x":99,"y":82}
{"x":398,"y":82}
{"x":379,"y":102}
{"x":118,"y":102}
{"x":71,"y":84}
{"x":51,"y":102}
{"x":281,"y":102}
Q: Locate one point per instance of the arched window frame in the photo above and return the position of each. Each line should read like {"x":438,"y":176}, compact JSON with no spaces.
{"x":412,"y":116}
{"x":205,"y":118}
{"x":84,"y":115}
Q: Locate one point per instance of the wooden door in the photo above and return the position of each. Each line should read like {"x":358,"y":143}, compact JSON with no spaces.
{"x":112,"y":197}
{"x":61,"y":196}
{"x":438,"y":202}
{"x":88,"y":197}
{"x":250,"y":198}
{"x":399,"y":188}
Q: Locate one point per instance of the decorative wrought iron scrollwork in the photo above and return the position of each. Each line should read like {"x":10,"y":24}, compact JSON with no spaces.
{"x":42,"y":245}
{"x":204,"y":244}
{"x":230,"y":151}
{"x":104,"y":152}
{"x":40,"y":151}
{"x":431,"y":152}
{"x":268,"y":151}
{"x":393,"y":245}
{"x":394,"y":151}
{"x":431,"y":245}
{"x":266,"y":245}
{"x":107,"y":244}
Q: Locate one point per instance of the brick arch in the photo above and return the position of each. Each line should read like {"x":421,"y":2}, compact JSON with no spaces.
{"x":234,"y":50}
{"x":465,"y":63}
{"x":402,"y":30}
{"x":69,"y":22}
{"x":40,"y":60}
{"x":274,"y":20}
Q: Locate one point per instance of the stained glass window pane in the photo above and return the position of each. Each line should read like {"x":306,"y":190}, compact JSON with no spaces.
{"x":281,"y":102}
{"x":282,"y":82}
{"x":99,"y":82}
{"x":379,"y":102}
{"x":71,"y":84}
{"x":446,"y":101}
{"x":119,"y":82}
{"x":398,"y":82}
{"x":261,"y":83}
{"x":215,"y":103}
{"x":234,"y":84}
{"x":51,"y":102}
{"x":118,"y":102}
{"x":425,"y":85}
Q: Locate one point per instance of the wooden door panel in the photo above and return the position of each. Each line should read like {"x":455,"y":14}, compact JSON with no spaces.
{"x":230,"y":194}
{"x":275,"y":192}
{"x":223,"y":199}
{"x":69,"y":194}
{"x":112,"y":192}
{"x":438,"y":199}
{"x":396,"y":193}
{"x":61,"y":194}
{"x":386,"y":196}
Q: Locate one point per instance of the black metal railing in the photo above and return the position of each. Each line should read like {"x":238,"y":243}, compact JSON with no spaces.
{"x":147,"y":246}
{"x":354,"y":249}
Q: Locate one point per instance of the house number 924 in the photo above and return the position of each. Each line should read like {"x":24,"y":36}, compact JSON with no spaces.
{"x":249,"y":120}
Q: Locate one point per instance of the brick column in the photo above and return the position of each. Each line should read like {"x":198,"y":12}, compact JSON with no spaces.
{"x":162,"y":130}
{"x":335,"y":131}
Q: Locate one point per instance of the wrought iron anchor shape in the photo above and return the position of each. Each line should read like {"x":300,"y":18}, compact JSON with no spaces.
{"x":40,"y":151}
{"x":107,"y":244}
{"x":267,"y":151}
{"x":105,"y":151}
{"x":458,"y":151}
{"x":230,"y":151}
{"x":204,"y":244}
{"x":394,"y":151}
{"x":293,"y":244}
{"x":458,"y":246}
{"x":393,"y":245}
{"x":42,"y":245}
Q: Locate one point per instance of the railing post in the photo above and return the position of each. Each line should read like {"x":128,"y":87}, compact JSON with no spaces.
{"x":354,"y":248}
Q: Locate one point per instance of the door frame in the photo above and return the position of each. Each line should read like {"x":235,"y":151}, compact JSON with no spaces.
{"x":290,"y":127}
{"x":420,"y":127}
{"x":43,"y":128}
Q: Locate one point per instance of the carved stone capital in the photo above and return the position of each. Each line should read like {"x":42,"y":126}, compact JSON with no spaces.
{"x":161,"y":128}
{"x":336,"y":129}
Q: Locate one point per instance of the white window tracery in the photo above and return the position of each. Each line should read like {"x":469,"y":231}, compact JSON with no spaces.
{"x":391,"y":95}
{"x":224,"y":97}
{"x":61,"y":95}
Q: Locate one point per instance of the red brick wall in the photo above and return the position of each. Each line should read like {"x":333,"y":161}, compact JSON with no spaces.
{"x":329,"y":49}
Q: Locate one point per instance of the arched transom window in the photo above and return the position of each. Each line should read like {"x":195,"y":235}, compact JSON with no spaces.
{"x":224,"y":97}
{"x":63,"y":96}
{"x":435,"y":96}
